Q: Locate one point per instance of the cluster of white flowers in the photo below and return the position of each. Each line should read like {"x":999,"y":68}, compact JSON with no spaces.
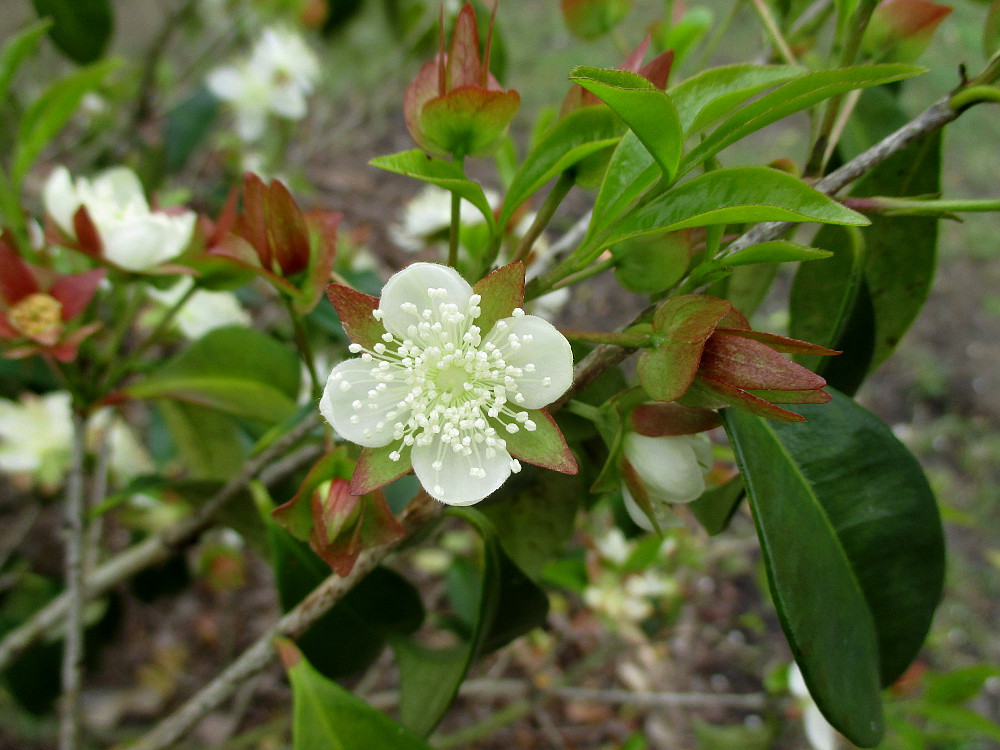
{"x":443,"y":390}
{"x":625,"y":599}
{"x":36,"y":439}
{"x":672,"y":469}
{"x":275,"y":79}
{"x":133,"y":236}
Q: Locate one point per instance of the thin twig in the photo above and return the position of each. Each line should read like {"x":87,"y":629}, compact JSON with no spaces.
{"x":75,"y":532}
{"x":294,"y":623}
{"x":934,"y":117}
{"x":150,"y":552}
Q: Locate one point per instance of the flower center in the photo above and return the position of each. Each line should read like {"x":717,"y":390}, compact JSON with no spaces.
{"x":38,"y":316}
{"x":444,"y":386}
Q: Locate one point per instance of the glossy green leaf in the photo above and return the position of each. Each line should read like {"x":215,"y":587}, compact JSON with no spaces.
{"x":508,"y":604}
{"x":776,"y":251}
{"x":325,"y":716}
{"x":711,"y":94}
{"x":791,"y":97}
{"x":648,"y":112}
{"x":50,"y":112}
{"x":80,"y":28}
{"x":716,"y":507}
{"x":824,"y":296}
{"x":209,"y":444}
{"x":854,"y":550}
{"x":728,"y":196}
{"x":14,"y":52}
{"x":534,"y":516}
{"x":445,"y":174}
{"x":652,"y":263}
{"x":572,"y":139}
{"x":381,"y":606}
{"x":237,"y":370}
{"x":902,"y":250}
{"x":630,"y":173}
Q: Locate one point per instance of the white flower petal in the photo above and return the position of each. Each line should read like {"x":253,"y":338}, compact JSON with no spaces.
{"x":413,"y":285}
{"x":142,"y":242}
{"x":60,"y":199}
{"x":458,"y":479}
{"x":542,"y":347}
{"x":118,"y":186}
{"x":367,"y":425}
{"x":668,"y":466}
{"x":638,"y":516}
{"x":820,"y":734}
{"x":226,"y":83}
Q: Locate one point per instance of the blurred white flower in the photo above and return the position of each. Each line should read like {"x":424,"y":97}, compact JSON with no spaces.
{"x":671,"y":468}
{"x":610,"y":598}
{"x":818,"y":731}
{"x":275,"y":79}
{"x":426,"y":218}
{"x":204,"y":311}
{"x":36,"y":441}
{"x":36,"y":436}
{"x":133,"y":237}
{"x":614,"y":547}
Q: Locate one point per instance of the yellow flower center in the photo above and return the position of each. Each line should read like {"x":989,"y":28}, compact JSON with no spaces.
{"x":38,"y":316}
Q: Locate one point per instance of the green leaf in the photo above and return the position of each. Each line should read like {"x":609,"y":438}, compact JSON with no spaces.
{"x":730,"y":196}
{"x":187,"y":124}
{"x":716,"y":507}
{"x":445,"y":174}
{"x":535,"y":518}
{"x":776,"y":251}
{"x":209,"y":444}
{"x":960,"y":685}
{"x":853,"y":546}
{"x":237,"y":370}
{"x":572,"y":139}
{"x":14,"y":52}
{"x":630,"y":173}
{"x":50,"y":112}
{"x":965,"y":720}
{"x":648,"y":112}
{"x":544,"y":446}
{"x":80,"y":28}
{"x":825,"y":300}
{"x":325,"y":715}
{"x":509,"y":604}
{"x":383,"y":605}
{"x":501,"y":291}
{"x":711,"y":94}
{"x":902,"y":250}
{"x":792,"y":97}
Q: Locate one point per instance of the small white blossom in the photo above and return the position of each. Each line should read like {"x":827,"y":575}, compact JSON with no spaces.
{"x":204,"y":311}
{"x":133,"y":236}
{"x":275,"y":79}
{"x":818,"y":731}
{"x":36,"y":440}
{"x":444,"y":390}
{"x":672,"y":469}
{"x":427,"y":216}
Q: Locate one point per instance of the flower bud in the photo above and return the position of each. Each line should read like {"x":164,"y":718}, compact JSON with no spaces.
{"x":900,"y":30}
{"x":455,"y":106}
{"x":666,"y":469}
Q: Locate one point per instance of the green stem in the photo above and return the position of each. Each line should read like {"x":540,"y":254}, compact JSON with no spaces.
{"x":974,"y":95}
{"x":456,"y":221}
{"x":555,"y":197}
{"x":916,"y":207}
{"x":780,"y":44}
{"x":848,"y":54}
{"x":305,"y":348}
{"x":627,"y":340}
{"x":575,"y":278}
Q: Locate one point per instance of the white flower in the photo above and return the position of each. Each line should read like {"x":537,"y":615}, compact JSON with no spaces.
{"x":671,"y":468}
{"x":276,"y":78}
{"x":442,"y":389}
{"x":427,"y":216}
{"x":133,"y":237}
{"x":620,"y":605}
{"x":820,"y":734}
{"x":204,"y":311}
{"x":614,"y":547}
{"x":36,"y":440}
{"x":36,"y":435}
